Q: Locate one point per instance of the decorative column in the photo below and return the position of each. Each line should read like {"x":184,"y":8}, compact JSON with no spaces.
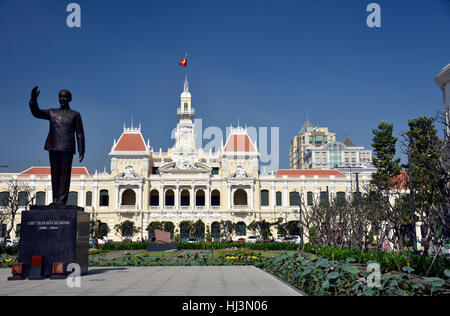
{"x":207,"y":197}
{"x":140,"y":197}
{"x":162,"y":193}
{"x":273,"y":197}
{"x":304,"y":194}
{"x":117,"y":196}
{"x":192,"y":197}
{"x":252,"y":200}
{"x":49,"y":195}
{"x":95,"y":193}
{"x":177,"y":198}
{"x":229,"y":196}
{"x":82,"y":195}
{"x":285,"y":194}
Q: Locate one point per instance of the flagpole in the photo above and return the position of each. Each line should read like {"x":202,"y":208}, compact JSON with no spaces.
{"x":185,"y":70}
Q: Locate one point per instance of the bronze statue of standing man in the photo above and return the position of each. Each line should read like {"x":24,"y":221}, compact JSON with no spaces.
{"x":64,"y":125}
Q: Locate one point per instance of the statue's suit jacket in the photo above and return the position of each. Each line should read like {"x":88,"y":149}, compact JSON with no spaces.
{"x":64,"y":124}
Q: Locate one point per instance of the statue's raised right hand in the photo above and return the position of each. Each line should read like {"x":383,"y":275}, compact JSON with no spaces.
{"x":35,"y":93}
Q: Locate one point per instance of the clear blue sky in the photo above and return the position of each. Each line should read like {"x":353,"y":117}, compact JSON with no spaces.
{"x":265,"y":62}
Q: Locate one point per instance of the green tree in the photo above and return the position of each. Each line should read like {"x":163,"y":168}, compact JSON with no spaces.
{"x":99,"y":229}
{"x":431,"y":181}
{"x":382,"y":212}
{"x":260,"y":228}
{"x":384,"y":145}
{"x":151,"y":229}
{"x":185,"y":230}
{"x":227,"y":229}
{"x":281,"y":228}
{"x":169,"y":227}
{"x":198,"y":230}
{"x":127,"y":229}
{"x":208,"y":234}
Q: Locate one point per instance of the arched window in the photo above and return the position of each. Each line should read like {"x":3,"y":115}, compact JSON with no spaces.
{"x":186,"y":106}
{"x":73,"y":198}
{"x":294,"y":199}
{"x":4,"y":196}
{"x":241,"y":229}
{"x":215,"y":198}
{"x":200,"y":198}
{"x":240,"y":197}
{"x":89,"y":198}
{"x":104,"y":198}
{"x":129,"y":197}
{"x":40,"y":198}
{"x":264,"y":198}
{"x":154,"y":198}
{"x":185,"y":198}
{"x":279,"y":199}
{"x":170,"y":198}
{"x":310,"y":198}
{"x":23,"y":198}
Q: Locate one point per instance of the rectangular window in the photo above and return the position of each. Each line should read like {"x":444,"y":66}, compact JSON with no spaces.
{"x":155,"y":170}
{"x":104,"y":198}
{"x":73,"y":198}
{"x":215,"y":170}
{"x":40,"y":198}
{"x":310,"y":199}
{"x":294,"y":199}
{"x":264,"y":198}
{"x":318,"y":139}
{"x":279,"y":196}
{"x":89,"y":198}
{"x":310,"y":139}
{"x":323,"y":197}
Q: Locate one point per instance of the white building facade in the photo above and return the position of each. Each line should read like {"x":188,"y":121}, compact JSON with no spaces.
{"x":185,"y":183}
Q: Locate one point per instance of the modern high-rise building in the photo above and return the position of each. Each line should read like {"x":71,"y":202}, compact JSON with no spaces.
{"x":333,"y":155}
{"x":317,"y":148}
{"x":309,"y":136}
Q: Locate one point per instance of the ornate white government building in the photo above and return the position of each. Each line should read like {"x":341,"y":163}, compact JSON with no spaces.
{"x":187,"y":183}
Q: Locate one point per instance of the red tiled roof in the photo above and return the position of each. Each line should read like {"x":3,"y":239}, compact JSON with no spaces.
{"x":46,"y":171}
{"x":401,"y":181}
{"x":130,"y":142}
{"x":239,"y":143}
{"x":302,"y":172}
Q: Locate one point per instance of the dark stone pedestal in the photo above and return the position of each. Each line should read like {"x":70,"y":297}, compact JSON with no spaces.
{"x":161,"y":247}
{"x":58,"y":234}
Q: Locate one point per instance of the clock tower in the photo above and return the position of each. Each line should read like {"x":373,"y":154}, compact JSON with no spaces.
{"x":185,"y":133}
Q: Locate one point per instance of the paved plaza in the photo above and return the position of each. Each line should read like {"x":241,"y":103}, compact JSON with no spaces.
{"x":158,"y":281}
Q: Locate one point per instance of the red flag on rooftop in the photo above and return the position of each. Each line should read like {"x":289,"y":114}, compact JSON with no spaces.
{"x":183,"y":62}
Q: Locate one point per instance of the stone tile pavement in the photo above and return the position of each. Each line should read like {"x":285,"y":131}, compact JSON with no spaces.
{"x":158,"y":281}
